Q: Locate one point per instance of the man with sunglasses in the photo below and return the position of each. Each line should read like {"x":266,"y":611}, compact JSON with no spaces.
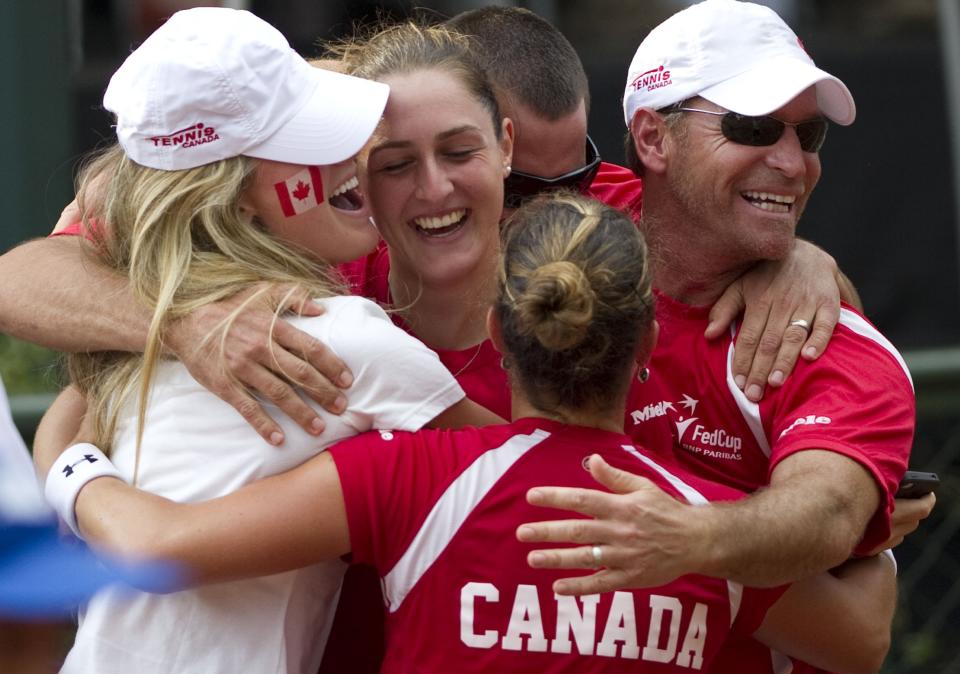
{"x":541,"y":85}
{"x":726,"y":114}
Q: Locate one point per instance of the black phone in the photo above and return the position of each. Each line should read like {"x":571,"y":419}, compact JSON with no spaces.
{"x":916,"y":483}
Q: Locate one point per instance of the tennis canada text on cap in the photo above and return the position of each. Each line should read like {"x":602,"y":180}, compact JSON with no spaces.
{"x":213,"y":83}
{"x":738,"y":55}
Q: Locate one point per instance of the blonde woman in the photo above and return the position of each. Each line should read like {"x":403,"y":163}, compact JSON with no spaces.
{"x":235,"y":167}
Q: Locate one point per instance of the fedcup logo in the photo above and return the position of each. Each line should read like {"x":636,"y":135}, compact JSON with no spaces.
{"x":197,"y":134}
{"x":657,"y":78}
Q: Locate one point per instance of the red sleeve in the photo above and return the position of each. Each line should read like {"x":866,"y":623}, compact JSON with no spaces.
{"x":618,"y":187}
{"x":857,"y":400}
{"x":390,"y":481}
{"x":368,"y":275}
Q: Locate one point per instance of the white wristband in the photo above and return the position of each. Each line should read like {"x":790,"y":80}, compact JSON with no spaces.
{"x":77,"y":465}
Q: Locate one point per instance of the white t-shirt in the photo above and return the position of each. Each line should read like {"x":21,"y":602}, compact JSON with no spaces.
{"x":196,"y":447}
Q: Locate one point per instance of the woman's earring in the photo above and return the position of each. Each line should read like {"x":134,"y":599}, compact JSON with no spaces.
{"x":643,"y":374}
{"x":504,"y":363}
{"x":507,"y":170}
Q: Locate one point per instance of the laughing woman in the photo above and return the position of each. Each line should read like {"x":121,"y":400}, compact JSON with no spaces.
{"x":235,"y":166}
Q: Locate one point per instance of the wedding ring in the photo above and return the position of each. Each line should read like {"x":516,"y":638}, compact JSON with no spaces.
{"x":801,"y":323}
{"x":597,"y":556}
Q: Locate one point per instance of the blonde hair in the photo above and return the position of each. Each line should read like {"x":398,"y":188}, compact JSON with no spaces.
{"x":182,"y":241}
{"x":574,"y":296}
{"x":406,"y":47}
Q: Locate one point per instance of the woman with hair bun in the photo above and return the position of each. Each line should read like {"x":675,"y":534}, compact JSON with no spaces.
{"x":434,"y":511}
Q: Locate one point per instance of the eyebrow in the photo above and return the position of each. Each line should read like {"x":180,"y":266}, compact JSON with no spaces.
{"x":449,"y":133}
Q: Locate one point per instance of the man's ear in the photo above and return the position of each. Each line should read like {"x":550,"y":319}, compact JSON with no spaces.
{"x":649,"y":133}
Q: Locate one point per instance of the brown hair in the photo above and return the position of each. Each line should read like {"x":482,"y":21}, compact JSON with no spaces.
{"x":574,"y":296}
{"x":408,"y":47}
{"x":527,"y":59}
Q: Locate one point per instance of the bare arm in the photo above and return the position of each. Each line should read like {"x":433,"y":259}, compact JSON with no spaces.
{"x":57,"y":295}
{"x":838,"y":621}
{"x":277,"y":524}
{"x":778,"y":533}
{"x":60,"y":297}
{"x":280,"y":523}
{"x":648,"y":538}
{"x":805,"y":285}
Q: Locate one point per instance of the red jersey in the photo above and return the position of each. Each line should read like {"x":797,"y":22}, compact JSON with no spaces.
{"x":856,"y":399}
{"x":435,"y":513}
{"x":476,"y":368}
{"x":618,"y":187}
{"x":478,"y":371}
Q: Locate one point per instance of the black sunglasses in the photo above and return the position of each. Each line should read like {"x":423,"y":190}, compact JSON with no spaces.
{"x":766,"y":130}
{"x":518,"y":187}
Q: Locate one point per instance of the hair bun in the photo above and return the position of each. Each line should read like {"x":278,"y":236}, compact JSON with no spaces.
{"x":557,"y":306}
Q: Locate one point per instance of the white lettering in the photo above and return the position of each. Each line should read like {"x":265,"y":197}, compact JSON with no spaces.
{"x":695,"y":639}
{"x":577,"y":622}
{"x":525,"y":619}
{"x":808,"y":420}
{"x":651,"y":411}
{"x":468,"y":634}
{"x":652,"y":651}
{"x":582,"y":625}
{"x":717,"y":438}
{"x":621,"y":626}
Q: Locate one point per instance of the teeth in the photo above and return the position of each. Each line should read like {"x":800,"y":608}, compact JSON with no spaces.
{"x":437,"y":223}
{"x":349,"y":185}
{"x":773,"y":208}
{"x":767,"y":196}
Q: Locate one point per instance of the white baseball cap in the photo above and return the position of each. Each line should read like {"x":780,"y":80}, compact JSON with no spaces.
{"x":213,"y":83}
{"x":738,"y":55}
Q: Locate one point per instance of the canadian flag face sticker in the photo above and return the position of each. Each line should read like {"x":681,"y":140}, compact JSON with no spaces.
{"x":300,"y":192}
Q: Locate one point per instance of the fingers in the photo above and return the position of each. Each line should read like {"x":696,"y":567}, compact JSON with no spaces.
{"x":724,"y":311}
{"x":238,"y":397}
{"x":321,"y":370}
{"x":297,"y":300}
{"x":564,"y":531}
{"x":906,"y":517}
{"x":757,"y":341}
{"x":580,"y":557}
{"x":590,"y":502}
{"x":826,"y":318}
{"x":616,"y":480}
{"x":793,"y":339}
{"x":605,"y":580}
{"x":912,"y":510}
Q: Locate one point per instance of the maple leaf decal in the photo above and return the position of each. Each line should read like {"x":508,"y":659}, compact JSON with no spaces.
{"x":302,"y":191}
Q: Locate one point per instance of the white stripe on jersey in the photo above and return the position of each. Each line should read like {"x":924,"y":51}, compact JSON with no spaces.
{"x":734,"y":590}
{"x":450,"y":511}
{"x":856,"y":323}
{"x":750,"y":410}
